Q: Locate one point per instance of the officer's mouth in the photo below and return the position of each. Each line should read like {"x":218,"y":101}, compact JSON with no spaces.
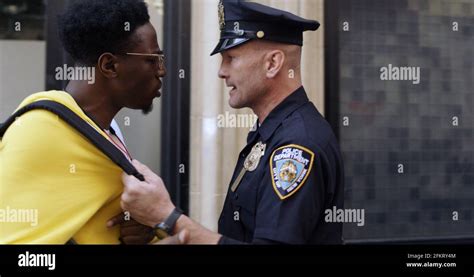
{"x":233,"y":89}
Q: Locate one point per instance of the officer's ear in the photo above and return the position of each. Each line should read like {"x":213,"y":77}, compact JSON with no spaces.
{"x":108,"y":65}
{"x":274,"y":61}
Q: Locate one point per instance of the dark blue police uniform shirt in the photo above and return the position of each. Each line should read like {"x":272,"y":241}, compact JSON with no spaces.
{"x":299,"y":176}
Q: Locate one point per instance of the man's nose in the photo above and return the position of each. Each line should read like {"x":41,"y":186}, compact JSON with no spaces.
{"x":161,"y":72}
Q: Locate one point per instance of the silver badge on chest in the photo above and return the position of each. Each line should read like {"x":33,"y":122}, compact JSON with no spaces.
{"x":253,"y":159}
{"x":250,"y":163}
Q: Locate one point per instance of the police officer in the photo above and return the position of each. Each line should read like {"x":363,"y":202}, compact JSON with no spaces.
{"x":291,"y":170}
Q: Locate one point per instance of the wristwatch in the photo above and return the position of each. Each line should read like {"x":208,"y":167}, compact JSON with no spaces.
{"x":165,"y":228}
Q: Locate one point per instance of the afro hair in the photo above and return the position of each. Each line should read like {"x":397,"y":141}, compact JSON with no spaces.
{"x":89,"y":28}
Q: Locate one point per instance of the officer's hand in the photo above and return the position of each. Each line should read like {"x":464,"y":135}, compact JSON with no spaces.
{"x":180,"y":238}
{"x":148,"y":202}
{"x":131,"y":232}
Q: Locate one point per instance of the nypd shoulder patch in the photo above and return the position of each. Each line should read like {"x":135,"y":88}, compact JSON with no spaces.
{"x":290,"y":166}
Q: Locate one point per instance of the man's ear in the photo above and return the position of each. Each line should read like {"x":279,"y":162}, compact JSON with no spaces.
{"x":274,"y":61}
{"x":107,"y":65}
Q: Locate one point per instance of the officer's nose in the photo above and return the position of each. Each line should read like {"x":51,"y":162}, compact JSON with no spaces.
{"x":223,"y":74}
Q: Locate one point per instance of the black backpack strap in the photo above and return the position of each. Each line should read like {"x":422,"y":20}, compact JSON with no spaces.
{"x":80,"y":125}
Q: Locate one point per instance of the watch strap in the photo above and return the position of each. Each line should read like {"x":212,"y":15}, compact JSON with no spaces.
{"x":170,"y":221}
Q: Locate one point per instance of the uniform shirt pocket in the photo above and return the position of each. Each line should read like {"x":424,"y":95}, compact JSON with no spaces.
{"x":246,"y":203}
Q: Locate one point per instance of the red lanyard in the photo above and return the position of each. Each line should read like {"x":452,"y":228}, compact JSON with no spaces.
{"x":122,"y":148}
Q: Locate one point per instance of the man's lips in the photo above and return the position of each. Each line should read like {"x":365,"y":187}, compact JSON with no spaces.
{"x":158,"y":92}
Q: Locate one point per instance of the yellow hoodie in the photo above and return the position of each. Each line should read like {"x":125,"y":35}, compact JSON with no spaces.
{"x":54,"y":184}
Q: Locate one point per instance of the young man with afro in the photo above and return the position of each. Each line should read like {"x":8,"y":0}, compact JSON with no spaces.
{"x":47,"y":165}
